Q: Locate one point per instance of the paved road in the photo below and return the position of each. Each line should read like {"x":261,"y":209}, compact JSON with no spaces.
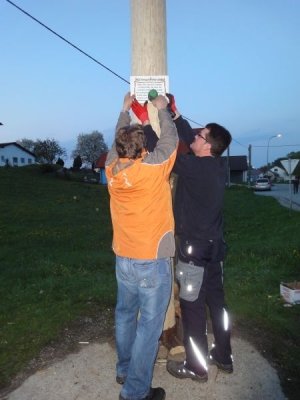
{"x":283,"y":194}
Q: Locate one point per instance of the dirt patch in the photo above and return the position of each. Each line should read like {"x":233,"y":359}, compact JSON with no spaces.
{"x":99,"y":327}
{"x":96,"y":327}
{"x":271,"y":349}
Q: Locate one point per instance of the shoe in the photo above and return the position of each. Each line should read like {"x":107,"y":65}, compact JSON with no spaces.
{"x":227,"y":368}
{"x":154,"y":394}
{"x":120,"y":379}
{"x":179,"y":370}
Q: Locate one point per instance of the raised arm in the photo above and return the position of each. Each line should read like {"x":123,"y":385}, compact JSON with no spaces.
{"x":168,"y":141}
{"x":185,"y":131}
{"x":124,"y":120}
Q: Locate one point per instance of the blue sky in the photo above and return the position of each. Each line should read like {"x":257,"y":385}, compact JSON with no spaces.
{"x":235,"y":62}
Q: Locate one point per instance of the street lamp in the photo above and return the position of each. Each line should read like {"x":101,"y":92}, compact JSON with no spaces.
{"x":271,"y":137}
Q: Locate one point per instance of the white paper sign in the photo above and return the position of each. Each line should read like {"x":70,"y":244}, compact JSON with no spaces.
{"x":289,"y":165}
{"x":141,"y":85}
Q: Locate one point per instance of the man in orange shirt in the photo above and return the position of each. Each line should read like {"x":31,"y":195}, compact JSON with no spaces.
{"x":143,"y":241}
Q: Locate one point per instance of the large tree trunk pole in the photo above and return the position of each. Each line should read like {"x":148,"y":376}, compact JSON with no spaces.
{"x":149,"y":58}
{"x":148,"y":37}
{"x":148,"y":44}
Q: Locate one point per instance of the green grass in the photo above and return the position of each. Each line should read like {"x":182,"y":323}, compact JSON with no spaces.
{"x":264,"y":250}
{"x":55,"y":260}
{"x":56,"y":264}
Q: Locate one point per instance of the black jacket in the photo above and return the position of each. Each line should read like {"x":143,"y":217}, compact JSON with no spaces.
{"x":199,"y":195}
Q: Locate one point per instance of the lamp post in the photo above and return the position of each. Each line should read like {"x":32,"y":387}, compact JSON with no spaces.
{"x":270,"y":138}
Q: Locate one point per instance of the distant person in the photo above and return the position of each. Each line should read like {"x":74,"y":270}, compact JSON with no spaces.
{"x":143,"y":241}
{"x":296,"y":184}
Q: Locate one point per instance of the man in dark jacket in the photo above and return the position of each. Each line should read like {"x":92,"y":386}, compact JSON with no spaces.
{"x":201,"y":249}
{"x":200,"y":246}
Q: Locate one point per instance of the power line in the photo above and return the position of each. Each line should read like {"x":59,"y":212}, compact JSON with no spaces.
{"x":243,"y":145}
{"x":88,"y":55}
{"x":80,"y":50}
{"x":67,"y":41}
{"x":277,"y":145}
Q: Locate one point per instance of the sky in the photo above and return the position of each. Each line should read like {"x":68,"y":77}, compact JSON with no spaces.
{"x":234,"y":62}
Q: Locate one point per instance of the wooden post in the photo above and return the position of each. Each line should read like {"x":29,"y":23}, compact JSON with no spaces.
{"x":148,"y":44}
{"x":149,"y":58}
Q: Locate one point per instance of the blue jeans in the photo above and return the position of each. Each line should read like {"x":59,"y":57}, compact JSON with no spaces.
{"x":144,"y":289}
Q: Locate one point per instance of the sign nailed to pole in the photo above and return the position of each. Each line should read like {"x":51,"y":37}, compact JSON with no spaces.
{"x":289,"y":165}
{"x":141,"y":85}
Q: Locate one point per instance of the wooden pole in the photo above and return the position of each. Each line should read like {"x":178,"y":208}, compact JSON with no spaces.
{"x":148,"y":44}
{"x":149,"y":58}
{"x":148,"y":37}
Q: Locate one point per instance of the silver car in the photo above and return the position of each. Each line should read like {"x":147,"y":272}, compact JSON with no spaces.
{"x":262,"y":184}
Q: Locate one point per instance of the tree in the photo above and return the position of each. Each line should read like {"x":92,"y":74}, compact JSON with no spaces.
{"x":90,"y":146}
{"x":77,"y":163}
{"x":60,"y":162}
{"x":27,"y":144}
{"x":295,"y":155}
{"x":48,"y":150}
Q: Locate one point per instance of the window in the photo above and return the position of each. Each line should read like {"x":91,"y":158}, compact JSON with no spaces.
{"x":15,"y":160}
{"x":29,"y":161}
{"x":22,"y":160}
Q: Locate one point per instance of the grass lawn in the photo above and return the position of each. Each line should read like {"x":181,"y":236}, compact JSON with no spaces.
{"x":56,"y":264}
{"x":55,"y":260}
{"x":264,"y":250}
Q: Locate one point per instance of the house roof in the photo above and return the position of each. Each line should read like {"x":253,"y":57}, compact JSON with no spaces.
{"x":100,"y":163}
{"x":237,"y":163}
{"x":2,"y":145}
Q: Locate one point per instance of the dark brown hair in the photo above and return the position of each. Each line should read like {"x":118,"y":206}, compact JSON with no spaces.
{"x":218,"y":137}
{"x":130,"y":141}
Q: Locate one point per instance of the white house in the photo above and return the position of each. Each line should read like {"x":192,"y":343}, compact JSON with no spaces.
{"x":14,"y":154}
{"x":280,"y":172}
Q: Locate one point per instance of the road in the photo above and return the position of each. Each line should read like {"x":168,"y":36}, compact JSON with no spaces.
{"x":282,"y":193}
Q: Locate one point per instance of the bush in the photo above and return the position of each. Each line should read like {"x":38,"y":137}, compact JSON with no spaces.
{"x":48,"y":168}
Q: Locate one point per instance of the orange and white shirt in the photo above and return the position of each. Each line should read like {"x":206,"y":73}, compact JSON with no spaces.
{"x":140,"y":196}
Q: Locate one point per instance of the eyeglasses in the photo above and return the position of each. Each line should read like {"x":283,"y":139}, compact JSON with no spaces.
{"x":202,"y":137}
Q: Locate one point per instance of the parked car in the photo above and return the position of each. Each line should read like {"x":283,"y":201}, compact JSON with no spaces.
{"x":262,"y":184}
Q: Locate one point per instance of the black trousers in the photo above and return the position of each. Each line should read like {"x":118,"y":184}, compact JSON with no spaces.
{"x":194,"y":320}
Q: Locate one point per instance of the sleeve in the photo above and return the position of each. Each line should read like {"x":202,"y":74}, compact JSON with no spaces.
{"x":151,"y":137}
{"x":185,"y":131}
{"x":124,"y":120}
{"x":168,"y":141}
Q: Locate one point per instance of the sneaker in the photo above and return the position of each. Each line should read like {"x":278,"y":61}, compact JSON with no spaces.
{"x":179,"y":370}
{"x":120,"y":379}
{"x":154,"y":394}
{"x":227,"y":368}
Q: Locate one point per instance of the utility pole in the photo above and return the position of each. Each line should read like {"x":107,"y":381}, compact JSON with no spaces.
{"x":249,"y":164}
{"x":228,"y":167}
{"x":149,"y":50}
{"x":149,"y":59}
{"x":148,"y":37}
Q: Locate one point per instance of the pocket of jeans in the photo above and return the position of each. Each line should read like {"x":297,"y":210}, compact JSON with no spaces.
{"x":190,"y":278}
{"x":124,"y":271}
{"x":146,"y":271}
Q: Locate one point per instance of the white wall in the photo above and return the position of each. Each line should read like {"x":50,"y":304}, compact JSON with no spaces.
{"x":15,"y":156}
{"x":281,"y":172}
